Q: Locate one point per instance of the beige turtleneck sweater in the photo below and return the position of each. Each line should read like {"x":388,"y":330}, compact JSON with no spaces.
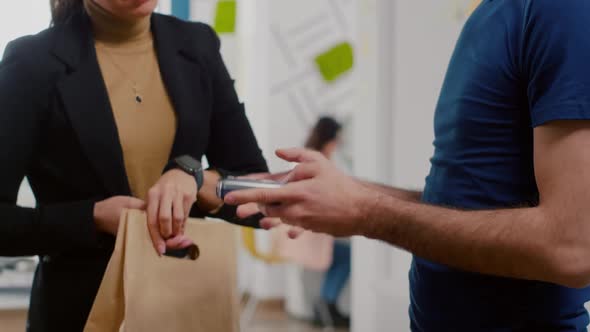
{"x":129,"y":66}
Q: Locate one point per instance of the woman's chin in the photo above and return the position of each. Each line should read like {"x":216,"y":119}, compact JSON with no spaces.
{"x":145,"y":9}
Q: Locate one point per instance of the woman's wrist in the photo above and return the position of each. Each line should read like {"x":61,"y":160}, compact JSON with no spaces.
{"x":207,"y":199}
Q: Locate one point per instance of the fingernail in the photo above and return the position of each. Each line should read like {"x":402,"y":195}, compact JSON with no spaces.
{"x":162,"y":249}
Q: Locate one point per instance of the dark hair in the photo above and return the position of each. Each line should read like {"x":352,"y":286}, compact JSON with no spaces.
{"x":62,"y":10}
{"x":325,"y":131}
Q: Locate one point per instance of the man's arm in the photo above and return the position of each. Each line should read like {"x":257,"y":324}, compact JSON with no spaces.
{"x":550,"y":242}
{"x":403,"y":194}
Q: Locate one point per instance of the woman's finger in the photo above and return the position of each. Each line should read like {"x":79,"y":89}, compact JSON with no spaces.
{"x":178,"y":215}
{"x":179,"y":242}
{"x":165,"y":214}
{"x":153,"y":225}
{"x":135,"y":203}
{"x":188,"y":204}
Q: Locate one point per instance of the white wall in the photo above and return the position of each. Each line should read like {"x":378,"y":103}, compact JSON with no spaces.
{"x":253,"y":83}
{"x":419,"y":37}
{"x":23,"y":17}
{"x":425,"y":33}
{"x":368,"y":263}
{"x":300,"y":30}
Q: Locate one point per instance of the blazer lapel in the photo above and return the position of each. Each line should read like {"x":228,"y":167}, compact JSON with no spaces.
{"x":87,"y":105}
{"x":182,"y":76}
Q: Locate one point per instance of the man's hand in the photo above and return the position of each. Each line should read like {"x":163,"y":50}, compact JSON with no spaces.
{"x":268,"y":223}
{"x":169,"y":204}
{"x":280,"y":177}
{"x":247,"y":210}
{"x":318,"y":196}
{"x":546,"y":242}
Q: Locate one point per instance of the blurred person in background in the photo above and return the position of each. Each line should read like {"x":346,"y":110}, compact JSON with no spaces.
{"x":333,"y":255}
{"x":111,"y":108}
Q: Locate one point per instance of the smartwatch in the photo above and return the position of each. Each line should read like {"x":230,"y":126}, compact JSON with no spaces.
{"x":189,"y":165}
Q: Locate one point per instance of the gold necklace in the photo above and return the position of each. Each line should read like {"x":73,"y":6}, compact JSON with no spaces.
{"x":138,"y":96}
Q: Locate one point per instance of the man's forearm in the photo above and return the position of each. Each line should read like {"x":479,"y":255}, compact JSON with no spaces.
{"x":405,"y":195}
{"x":511,"y":243}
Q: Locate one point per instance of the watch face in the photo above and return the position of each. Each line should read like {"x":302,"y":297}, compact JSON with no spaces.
{"x":189,"y":164}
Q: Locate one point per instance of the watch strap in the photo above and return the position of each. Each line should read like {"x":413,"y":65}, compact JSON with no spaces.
{"x":200,"y":177}
{"x":197,"y":174}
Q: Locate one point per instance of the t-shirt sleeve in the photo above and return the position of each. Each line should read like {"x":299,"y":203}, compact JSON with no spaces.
{"x":556,"y":59}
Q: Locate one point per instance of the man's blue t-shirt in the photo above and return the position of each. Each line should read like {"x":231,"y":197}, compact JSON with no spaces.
{"x":518,"y":64}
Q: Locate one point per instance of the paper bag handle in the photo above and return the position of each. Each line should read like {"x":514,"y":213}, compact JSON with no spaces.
{"x":192,"y":252}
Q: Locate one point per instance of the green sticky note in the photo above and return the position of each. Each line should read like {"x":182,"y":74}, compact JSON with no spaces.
{"x":225,"y":16}
{"x":336,"y":61}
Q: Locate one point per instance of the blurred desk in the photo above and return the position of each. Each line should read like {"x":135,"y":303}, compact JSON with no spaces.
{"x":13,"y":311}
{"x":16,"y":276}
{"x":14,"y":301}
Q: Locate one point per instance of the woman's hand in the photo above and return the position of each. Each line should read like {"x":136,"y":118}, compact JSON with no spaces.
{"x":107,"y":213}
{"x":169,"y":203}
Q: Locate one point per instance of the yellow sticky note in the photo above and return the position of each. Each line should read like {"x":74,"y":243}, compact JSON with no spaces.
{"x":336,"y":61}
{"x":225,"y":16}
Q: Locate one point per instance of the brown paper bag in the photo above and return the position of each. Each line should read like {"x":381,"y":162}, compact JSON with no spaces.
{"x":143,"y":292}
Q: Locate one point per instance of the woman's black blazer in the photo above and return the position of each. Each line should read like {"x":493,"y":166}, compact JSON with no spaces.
{"x":58,"y":130}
